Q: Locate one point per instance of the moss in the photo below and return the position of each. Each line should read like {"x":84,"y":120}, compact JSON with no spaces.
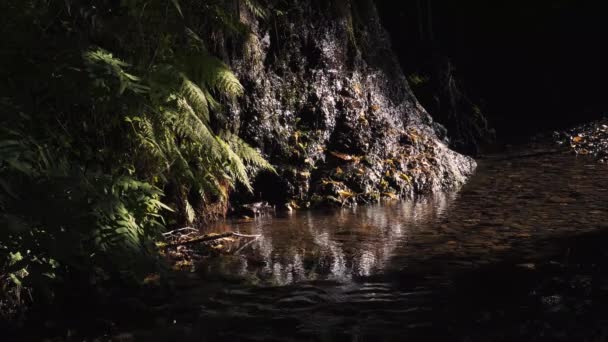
{"x":417,"y":80}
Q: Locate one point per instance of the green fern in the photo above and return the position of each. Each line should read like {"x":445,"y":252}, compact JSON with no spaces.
{"x":104,"y":65}
{"x":245,"y":152}
{"x":212,"y":75}
{"x":196,"y":97}
{"x":255,"y":8}
{"x":102,"y":136}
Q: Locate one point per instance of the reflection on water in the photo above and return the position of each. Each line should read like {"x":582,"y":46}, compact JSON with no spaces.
{"x":509,"y":208}
{"x":340,"y":245}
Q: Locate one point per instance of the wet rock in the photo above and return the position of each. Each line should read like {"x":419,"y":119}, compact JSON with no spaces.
{"x":551,"y":301}
{"x":254,"y":209}
{"x":588,"y":139}
{"x":527,"y":266}
{"x":325,"y":106}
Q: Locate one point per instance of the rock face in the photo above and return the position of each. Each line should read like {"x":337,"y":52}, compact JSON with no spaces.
{"x":329,"y":106}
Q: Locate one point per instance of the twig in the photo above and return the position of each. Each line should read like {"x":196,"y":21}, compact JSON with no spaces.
{"x":210,"y":238}
{"x":179,"y":230}
{"x":245,"y":245}
{"x":247,"y":236}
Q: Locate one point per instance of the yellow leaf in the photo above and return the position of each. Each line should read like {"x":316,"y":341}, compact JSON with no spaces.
{"x":182,"y":264}
{"x":344,"y":194}
{"x":405,"y":177}
{"x":326,"y":181}
{"x":391,"y":195}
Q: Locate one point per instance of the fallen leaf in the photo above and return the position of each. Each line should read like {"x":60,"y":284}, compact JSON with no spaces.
{"x":344,"y":194}
{"x":344,"y":156}
{"x":391,"y":195}
{"x":405,"y":177}
{"x":153,"y":278}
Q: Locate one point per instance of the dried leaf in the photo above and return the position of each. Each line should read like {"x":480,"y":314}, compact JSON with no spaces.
{"x":342,"y":156}
{"x":152,"y":279}
{"x":577,"y":139}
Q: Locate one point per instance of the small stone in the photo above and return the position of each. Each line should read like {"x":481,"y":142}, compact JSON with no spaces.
{"x":527,"y":266}
{"x":561,"y":200}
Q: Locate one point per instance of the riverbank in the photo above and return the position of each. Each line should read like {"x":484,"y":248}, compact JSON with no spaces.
{"x":588,"y":139}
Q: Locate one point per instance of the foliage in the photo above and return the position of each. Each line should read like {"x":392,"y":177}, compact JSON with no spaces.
{"x":111,"y":109}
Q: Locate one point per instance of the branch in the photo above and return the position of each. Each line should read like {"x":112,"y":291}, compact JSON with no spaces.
{"x":179,"y":230}
{"x":206,"y":238}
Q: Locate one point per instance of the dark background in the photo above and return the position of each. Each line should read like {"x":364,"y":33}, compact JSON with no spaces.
{"x":531,"y":65}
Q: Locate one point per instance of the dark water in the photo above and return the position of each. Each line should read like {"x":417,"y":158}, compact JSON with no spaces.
{"x":433,"y":268}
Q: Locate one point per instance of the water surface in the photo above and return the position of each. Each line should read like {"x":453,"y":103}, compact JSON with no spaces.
{"x":383,"y":272}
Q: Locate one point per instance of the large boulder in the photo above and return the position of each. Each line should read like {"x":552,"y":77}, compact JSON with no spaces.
{"x":327,"y":103}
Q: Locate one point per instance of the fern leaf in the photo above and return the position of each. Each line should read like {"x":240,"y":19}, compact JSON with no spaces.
{"x":255,"y":8}
{"x":235,"y":167}
{"x":214,"y":74}
{"x":178,"y":7}
{"x":247,"y":153}
{"x":195,"y":96}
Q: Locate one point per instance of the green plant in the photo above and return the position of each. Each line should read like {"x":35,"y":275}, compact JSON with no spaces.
{"x":114,"y":117}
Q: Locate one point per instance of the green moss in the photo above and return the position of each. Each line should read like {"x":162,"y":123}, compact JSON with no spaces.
{"x":417,"y":79}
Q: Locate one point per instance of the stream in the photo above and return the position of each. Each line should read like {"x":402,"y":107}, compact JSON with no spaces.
{"x":466,"y":265}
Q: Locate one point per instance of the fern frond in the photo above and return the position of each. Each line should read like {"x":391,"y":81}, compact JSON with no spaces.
{"x":196,"y":96}
{"x":190,"y":213}
{"x":214,"y":74}
{"x":251,"y":156}
{"x":102,"y":64}
{"x":178,"y":7}
{"x":255,"y":8}
{"x":236,"y":168}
